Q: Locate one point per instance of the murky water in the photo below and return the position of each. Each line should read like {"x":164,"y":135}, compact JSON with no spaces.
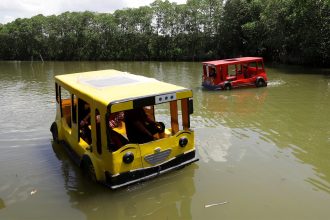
{"x":264,"y":153}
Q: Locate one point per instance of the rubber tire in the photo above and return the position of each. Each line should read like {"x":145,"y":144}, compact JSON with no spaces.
{"x":227,"y":87}
{"x":260,"y":83}
{"x":54,"y":131}
{"x":88,"y":169}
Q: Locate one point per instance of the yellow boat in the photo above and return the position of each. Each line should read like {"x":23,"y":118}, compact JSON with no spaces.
{"x":122,"y":128}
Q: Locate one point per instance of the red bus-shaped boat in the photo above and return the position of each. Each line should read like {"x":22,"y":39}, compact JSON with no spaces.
{"x":233,"y":73}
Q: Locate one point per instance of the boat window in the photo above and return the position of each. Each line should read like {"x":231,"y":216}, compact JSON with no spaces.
{"x":84,"y":119}
{"x":170,"y":118}
{"x":65,"y":101}
{"x":175,"y":115}
{"x":232,"y":70}
{"x":162,"y":113}
{"x":260,"y":65}
{"x":212,"y":72}
{"x":253,"y":68}
{"x":240,"y":69}
{"x":253,"y":64}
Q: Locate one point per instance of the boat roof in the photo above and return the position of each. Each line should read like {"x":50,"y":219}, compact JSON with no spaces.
{"x":233,"y":61}
{"x":111,"y":86}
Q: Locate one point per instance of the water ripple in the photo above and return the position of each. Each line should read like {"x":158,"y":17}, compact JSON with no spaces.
{"x":213,"y":147}
{"x":276,"y":83}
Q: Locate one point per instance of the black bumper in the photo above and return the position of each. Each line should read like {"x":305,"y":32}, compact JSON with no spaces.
{"x":130,"y":177}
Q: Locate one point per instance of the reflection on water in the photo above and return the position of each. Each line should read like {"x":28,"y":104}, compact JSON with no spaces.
{"x":2,"y":204}
{"x":169,"y":196}
{"x":262,"y":150}
{"x":276,"y":83}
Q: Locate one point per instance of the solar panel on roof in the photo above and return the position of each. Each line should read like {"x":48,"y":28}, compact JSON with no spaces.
{"x":107,"y":81}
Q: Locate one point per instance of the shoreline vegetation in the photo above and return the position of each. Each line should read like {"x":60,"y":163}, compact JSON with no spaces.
{"x":283,"y":31}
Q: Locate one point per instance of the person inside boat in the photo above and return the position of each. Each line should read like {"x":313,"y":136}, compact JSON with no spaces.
{"x":116,"y":120}
{"x":87,"y":115}
{"x":140,"y":127}
{"x":85,"y":122}
{"x":117,"y":140}
{"x":212,"y":73}
{"x":245,"y":71}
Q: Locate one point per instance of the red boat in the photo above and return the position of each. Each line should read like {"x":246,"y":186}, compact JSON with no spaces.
{"x":234,"y":73}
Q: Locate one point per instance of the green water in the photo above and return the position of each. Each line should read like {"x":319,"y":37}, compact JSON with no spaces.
{"x":264,"y":152}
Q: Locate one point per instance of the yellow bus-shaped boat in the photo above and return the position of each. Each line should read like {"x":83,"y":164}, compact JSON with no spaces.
{"x":106,"y":146}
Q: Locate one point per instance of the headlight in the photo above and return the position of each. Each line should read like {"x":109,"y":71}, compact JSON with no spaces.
{"x":183,"y":141}
{"x":128,"y":157}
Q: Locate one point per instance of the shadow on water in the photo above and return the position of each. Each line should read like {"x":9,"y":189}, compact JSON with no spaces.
{"x":166,"y":197}
{"x":2,"y":204}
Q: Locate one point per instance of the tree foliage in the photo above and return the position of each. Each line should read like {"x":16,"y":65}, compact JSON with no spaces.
{"x":287,"y":31}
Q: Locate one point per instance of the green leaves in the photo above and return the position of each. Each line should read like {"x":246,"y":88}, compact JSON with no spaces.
{"x":290,"y":31}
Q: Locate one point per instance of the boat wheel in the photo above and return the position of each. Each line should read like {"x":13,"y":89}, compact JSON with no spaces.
{"x":261,"y":83}
{"x":54,"y":131}
{"x":88,"y":169}
{"x":227,"y":87}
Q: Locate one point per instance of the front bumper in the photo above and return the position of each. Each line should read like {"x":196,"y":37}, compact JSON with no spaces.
{"x":127,"y":178}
